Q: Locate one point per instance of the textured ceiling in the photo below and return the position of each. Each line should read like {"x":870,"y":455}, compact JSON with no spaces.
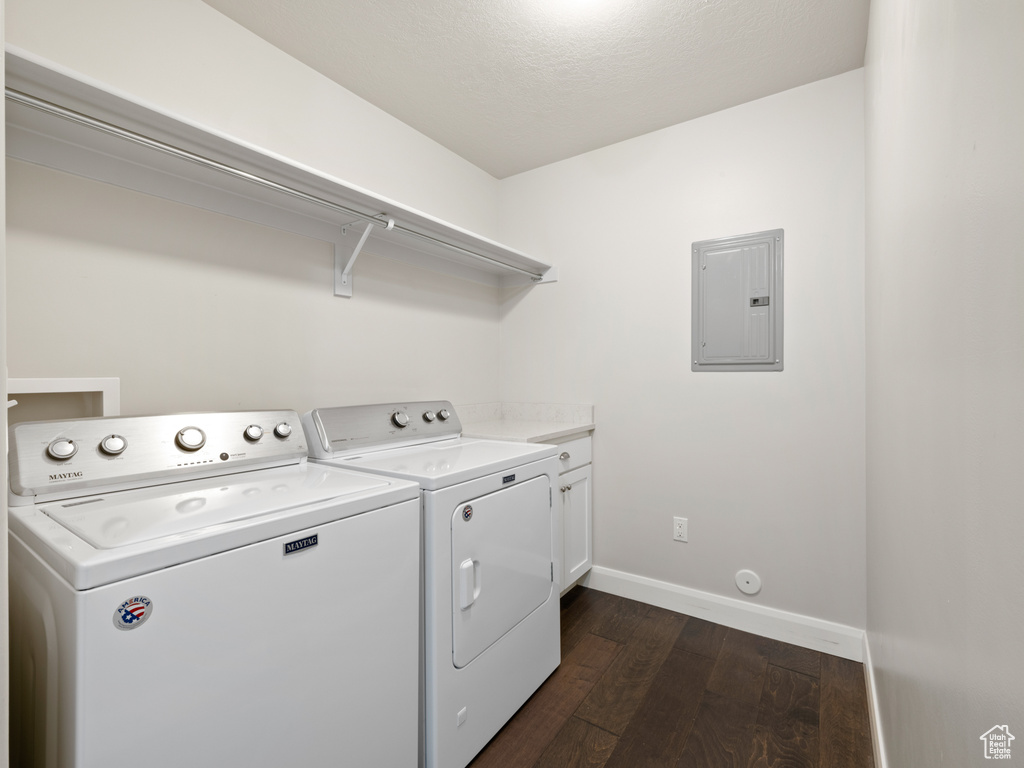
{"x":511,"y":85}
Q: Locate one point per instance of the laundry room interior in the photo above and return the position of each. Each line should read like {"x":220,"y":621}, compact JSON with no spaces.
{"x":871,"y":484}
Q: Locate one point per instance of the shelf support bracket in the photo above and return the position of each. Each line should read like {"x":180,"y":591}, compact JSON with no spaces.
{"x":343,"y":274}
{"x":343,"y":271}
{"x":550,"y":276}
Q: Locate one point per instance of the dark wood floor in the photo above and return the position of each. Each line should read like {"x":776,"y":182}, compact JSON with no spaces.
{"x":641,"y":686}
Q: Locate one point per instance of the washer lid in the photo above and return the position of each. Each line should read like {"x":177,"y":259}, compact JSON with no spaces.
{"x":99,"y":539}
{"x":124,"y":519}
{"x":447,"y":462}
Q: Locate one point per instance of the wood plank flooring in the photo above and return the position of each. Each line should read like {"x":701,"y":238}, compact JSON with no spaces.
{"x":643,"y":687}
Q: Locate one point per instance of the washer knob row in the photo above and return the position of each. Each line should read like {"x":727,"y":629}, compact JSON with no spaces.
{"x":188,"y":439}
{"x":193,"y":438}
{"x":63,"y":448}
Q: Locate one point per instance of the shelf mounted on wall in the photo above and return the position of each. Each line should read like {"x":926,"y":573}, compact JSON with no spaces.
{"x":63,"y":121}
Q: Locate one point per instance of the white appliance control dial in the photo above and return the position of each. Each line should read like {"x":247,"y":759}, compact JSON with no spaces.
{"x":428,"y":416}
{"x":283,"y":429}
{"x":191,"y":438}
{"x":399,"y":419}
{"x":443,"y":414}
{"x":62,"y":449}
{"x":253,"y":432}
{"x":112,"y":445}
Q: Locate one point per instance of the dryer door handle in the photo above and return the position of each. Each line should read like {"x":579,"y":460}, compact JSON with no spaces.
{"x":469,"y":582}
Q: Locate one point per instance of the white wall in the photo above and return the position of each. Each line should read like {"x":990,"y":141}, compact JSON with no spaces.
{"x":195,"y":311}
{"x":945,"y":331}
{"x":768,"y":467}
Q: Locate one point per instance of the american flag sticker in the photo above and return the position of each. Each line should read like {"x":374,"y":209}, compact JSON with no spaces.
{"x":133,"y":613}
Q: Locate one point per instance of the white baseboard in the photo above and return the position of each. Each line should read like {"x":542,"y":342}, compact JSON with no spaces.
{"x":874,"y":714}
{"x":805,"y":631}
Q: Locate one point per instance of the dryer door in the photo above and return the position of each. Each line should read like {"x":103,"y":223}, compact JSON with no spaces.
{"x":501,"y":564}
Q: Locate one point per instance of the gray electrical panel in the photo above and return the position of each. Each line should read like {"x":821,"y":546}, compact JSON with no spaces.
{"x":737,"y":303}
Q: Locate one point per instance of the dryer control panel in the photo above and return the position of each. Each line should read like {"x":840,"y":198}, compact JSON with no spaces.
{"x":62,"y":459}
{"x":385,"y":425}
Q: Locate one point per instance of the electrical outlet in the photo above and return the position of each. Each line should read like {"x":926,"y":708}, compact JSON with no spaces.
{"x":679,"y":526}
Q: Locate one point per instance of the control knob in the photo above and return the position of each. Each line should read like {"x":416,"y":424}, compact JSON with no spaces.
{"x":399,"y":419}
{"x":428,"y":416}
{"x":62,"y":449}
{"x":284,"y":429}
{"x":113,"y":445}
{"x":191,"y":439}
{"x":253,"y":432}
{"x":444,"y":414}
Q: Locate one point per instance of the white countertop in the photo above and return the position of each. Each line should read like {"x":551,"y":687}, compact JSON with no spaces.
{"x":524,"y":431}
{"x":526,"y":422}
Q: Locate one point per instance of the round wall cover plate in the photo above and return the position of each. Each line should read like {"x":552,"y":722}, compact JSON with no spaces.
{"x":748,"y":582}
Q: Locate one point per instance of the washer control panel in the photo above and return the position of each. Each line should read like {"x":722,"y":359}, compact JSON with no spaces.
{"x":355,"y":427}
{"x":61,"y":459}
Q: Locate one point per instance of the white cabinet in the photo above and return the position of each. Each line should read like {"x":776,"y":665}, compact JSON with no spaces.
{"x":577,"y":541}
{"x":575,"y":486}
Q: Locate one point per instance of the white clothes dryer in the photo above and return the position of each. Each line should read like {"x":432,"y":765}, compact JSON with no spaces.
{"x":190,"y":591}
{"x":491,"y":575}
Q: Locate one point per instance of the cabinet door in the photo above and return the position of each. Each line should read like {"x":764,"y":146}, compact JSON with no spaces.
{"x":576,"y":517}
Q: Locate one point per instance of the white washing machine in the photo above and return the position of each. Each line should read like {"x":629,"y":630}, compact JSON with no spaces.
{"x":190,"y":591}
{"x":491,"y":575}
